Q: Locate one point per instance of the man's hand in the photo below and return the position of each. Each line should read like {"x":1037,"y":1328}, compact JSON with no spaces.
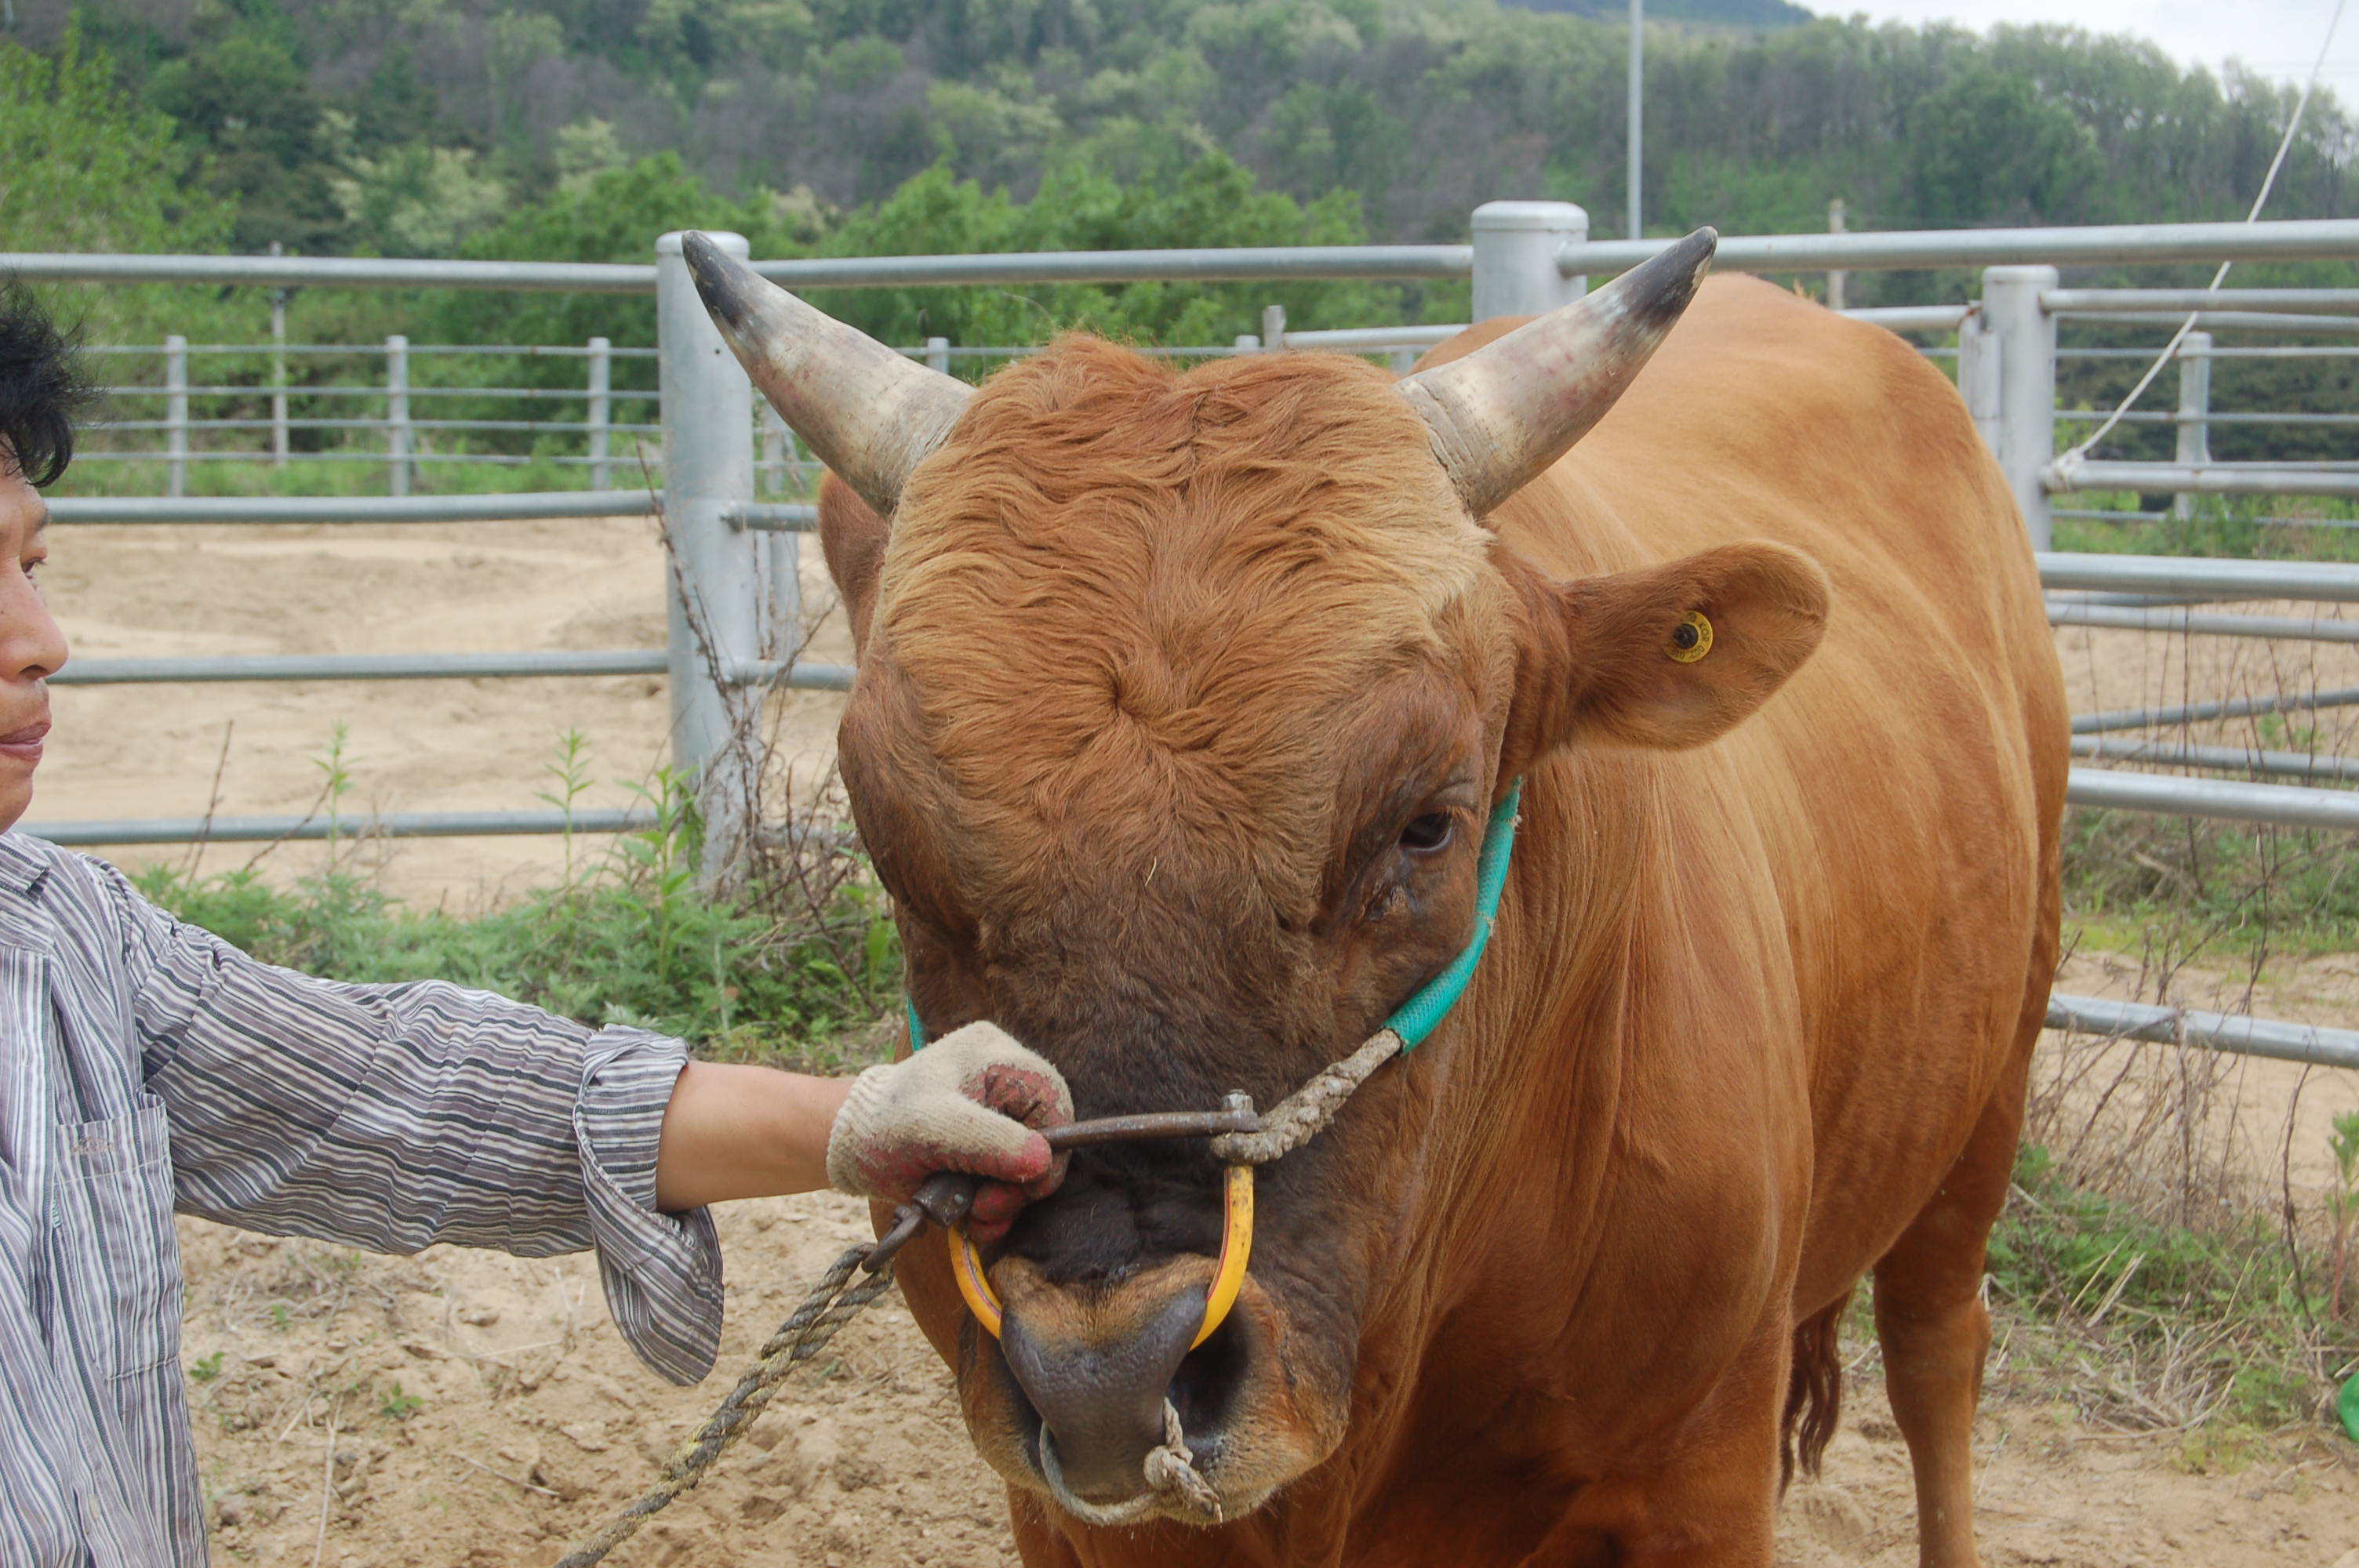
{"x":973,"y":1101}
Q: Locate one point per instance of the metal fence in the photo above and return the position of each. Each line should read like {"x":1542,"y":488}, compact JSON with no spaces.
{"x":735,"y":618}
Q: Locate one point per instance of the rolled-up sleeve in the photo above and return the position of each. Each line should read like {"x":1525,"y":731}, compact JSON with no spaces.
{"x":392,"y":1117}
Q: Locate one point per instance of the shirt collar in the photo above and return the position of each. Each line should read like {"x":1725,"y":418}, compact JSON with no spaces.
{"x":27,"y":869}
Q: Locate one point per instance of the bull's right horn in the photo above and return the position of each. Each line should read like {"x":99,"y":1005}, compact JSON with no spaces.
{"x":1509,"y":409}
{"x":869,"y":413}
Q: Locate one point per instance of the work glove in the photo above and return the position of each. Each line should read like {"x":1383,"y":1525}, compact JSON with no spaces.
{"x":973,"y":1101}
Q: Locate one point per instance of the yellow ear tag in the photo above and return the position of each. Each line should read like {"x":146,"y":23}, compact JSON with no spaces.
{"x":1691,"y":639}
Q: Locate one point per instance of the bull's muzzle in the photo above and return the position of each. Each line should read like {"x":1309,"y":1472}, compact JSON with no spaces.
{"x":1097,"y":1365}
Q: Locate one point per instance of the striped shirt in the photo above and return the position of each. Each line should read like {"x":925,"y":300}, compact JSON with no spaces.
{"x":147,"y":1066}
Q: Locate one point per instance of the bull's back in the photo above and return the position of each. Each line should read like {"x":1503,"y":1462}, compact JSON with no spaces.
{"x":1907,"y":785}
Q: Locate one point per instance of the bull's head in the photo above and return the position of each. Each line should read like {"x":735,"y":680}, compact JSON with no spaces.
{"x":1182,"y":699}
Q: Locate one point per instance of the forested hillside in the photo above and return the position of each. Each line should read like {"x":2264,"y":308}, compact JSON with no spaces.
{"x":577,"y":129}
{"x":406,"y":126}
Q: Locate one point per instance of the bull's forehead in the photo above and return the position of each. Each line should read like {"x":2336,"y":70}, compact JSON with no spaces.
{"x":1121,"y":593}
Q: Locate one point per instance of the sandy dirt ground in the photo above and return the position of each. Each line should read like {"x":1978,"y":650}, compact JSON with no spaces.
{"x":471,"y":1409}
{"x":255,"y":749}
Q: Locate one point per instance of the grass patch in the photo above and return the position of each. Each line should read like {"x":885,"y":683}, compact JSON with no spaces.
{"x":782,"y":969}
{"x":2245,"y":527}
{"x":2226,"y":886}
{"x":2221,"y":1334}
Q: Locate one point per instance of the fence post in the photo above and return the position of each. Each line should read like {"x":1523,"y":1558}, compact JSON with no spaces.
{"x":2194,"y":407}
{"x":1516,"y":244}
{"x":176,"y":413}
{"x":278,"y":370}
{"x":1835,"y":279}
{"x":600,"y":418}
{"x":938,"y":354}
{"x":2027,"y":386}
{"x":1978,"y":375}
{"x":397,"y":414}
{"x":770,"y":473}
{"x":708,"y":447}
{"x":1273,"y":329}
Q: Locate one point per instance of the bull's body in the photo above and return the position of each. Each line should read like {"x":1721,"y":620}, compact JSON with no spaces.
{"x":1757,"y":1020}
{"x":1182,"y":698}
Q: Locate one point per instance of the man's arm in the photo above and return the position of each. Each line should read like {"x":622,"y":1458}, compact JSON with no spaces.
{"x":394,"y":1116}
{"x":744,"y":1132}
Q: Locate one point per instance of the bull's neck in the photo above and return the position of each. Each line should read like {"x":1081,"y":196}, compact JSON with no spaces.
{"x":1526,"y":1093}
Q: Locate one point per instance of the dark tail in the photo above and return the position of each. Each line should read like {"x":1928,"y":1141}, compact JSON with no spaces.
{"x":1814,"y":1392}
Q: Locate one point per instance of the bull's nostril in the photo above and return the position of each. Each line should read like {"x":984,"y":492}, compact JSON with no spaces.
{"x":1205,"y":1389}
{"x":1102,"y":1404}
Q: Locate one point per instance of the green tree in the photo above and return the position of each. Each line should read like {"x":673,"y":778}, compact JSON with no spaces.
{"x":1990,"y":147}
{"x":67,"y":130}
{"x":240,"y":94}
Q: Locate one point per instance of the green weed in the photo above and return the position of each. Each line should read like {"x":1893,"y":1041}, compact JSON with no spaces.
{"x":2156,"y":1324}
{"x":774,"y":970}
{"x":205,"y":1369}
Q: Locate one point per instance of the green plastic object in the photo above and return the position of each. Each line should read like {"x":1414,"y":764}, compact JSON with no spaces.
{"x":2346,"y":1405}
{"x":1423,"y":1013}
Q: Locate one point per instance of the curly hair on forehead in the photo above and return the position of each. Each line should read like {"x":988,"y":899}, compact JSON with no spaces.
{"x":42,"y":389}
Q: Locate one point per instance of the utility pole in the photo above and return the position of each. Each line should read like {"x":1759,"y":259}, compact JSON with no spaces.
{"x":1637,"y":110}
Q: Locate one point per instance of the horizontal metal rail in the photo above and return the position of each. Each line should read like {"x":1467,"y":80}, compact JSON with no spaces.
{"x":2206,"y":712}
{"x":2219,"y":321}
{"x":2172,"y":417}
{"x":1345,"y":338}
{"x":542,"y":427}
{"x":1913,"y":317}
{"x":803,"y":676}
{"x":2214,"y":479}
{"x":1239,"y":264}
{"x":2131,"y":301}
{"x":393,"y":824}
{"x":2298,"y":240}
{"x":2289,"y":241}
{"x":2226,"y":1032}
{"x":2284,"y":806}
{"x":299,"y":389}
{"x":2196,"y":574}
{"x":519,"y":506}
{"x":272,"y":351}
{"x":364,"y":666}
{"x":772,"y":517}
{"x":2229,"y":759}
{"x":331,"y":272}
{"x":346,"y":455}
{"x":2186,"y":622}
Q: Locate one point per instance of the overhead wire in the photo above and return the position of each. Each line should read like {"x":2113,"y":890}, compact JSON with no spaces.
{"x":2269,"y":182}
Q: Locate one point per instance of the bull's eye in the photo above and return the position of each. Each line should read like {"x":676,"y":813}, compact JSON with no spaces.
{"x":1428,"y":833}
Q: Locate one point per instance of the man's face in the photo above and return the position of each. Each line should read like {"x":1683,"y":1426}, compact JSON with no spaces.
{"x":31,"y":647}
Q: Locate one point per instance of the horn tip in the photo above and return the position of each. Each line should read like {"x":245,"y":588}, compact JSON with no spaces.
{"x":720,"y":278}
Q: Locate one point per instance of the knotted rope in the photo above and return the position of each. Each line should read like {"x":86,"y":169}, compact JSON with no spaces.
{"x":1304,"y":1114}
{"x":829,"y":1306}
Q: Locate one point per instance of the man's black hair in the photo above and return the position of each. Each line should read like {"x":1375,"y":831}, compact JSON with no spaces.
{"x":42,"y":388}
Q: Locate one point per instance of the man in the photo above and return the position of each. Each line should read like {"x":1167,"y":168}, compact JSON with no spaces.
{"x":148,"y":1068}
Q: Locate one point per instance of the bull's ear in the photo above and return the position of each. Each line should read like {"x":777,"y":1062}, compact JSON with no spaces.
{"x":851,"y":535}
{"x":1667,"y":656}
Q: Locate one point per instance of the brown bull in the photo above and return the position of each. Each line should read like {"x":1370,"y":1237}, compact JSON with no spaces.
{"x":1182,"y":699}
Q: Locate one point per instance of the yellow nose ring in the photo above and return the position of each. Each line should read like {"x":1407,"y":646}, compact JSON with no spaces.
{"x":1228,"y":1274}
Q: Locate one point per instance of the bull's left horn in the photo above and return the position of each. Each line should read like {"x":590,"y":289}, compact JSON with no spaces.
{"x":1509,"y":409}
{"x":869,"y":413}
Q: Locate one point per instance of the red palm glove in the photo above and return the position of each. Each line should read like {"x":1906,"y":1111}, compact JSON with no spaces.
{"x":973,"y":1101}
